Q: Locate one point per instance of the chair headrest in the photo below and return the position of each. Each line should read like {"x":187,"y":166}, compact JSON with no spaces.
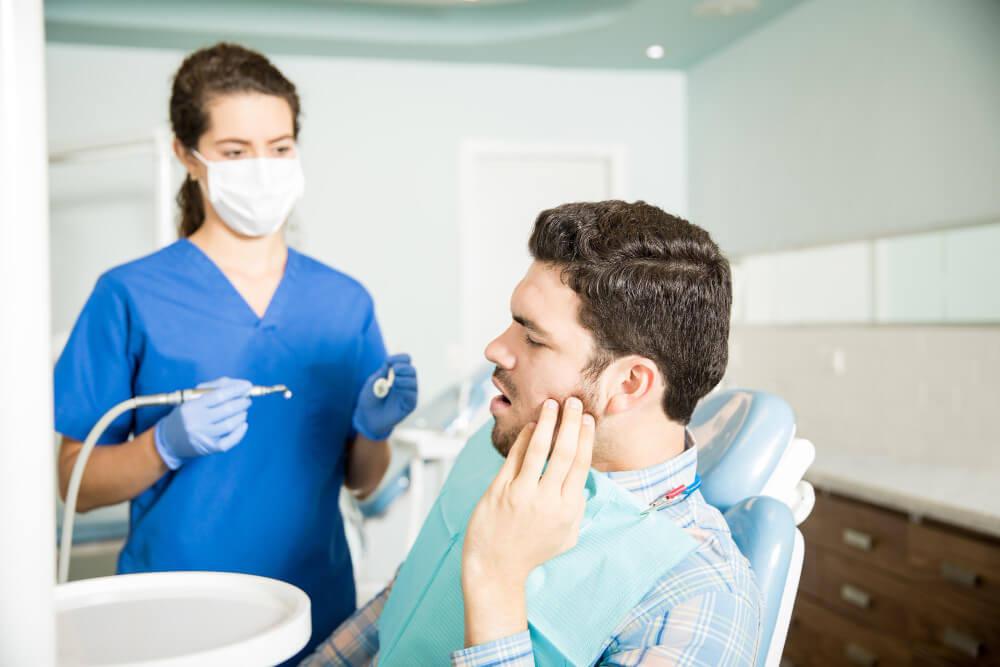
{"x":741,"y":435}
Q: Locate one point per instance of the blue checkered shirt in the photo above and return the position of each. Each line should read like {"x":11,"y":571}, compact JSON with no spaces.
{"x":706,"y":611}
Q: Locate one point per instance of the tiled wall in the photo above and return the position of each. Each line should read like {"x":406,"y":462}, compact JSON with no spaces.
{"x":928,"y":394}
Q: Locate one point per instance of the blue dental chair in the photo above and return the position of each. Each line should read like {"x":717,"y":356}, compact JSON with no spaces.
{"x":752,"y":466}
{"x":749,"y":459}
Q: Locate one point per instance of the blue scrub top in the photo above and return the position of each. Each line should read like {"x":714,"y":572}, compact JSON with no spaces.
{"x":269,"y":506}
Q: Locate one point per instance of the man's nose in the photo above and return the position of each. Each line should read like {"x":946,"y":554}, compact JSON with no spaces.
{"x":499,"y":353}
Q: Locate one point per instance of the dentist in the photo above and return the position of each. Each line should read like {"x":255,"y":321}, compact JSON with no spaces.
{"x":218,"y":483}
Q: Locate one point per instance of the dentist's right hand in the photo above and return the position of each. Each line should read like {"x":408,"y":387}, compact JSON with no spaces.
{"x":215,"y":422}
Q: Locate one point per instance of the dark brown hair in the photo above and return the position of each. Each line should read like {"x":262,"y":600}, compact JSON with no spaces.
{"x":650,"y":284}
{"x":222,"y":69}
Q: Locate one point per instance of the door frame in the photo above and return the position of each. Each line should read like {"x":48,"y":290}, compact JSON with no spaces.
{"x":470,"y":152}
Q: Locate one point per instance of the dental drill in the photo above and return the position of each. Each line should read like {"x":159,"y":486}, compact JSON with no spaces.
{"x":168,"y":398}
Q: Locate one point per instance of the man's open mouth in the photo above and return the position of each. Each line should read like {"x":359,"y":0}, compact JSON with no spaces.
{"x":502,"y":400}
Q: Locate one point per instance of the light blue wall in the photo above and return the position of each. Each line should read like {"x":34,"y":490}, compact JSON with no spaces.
{"x":849,"y":119}
{"x":854,"y":119}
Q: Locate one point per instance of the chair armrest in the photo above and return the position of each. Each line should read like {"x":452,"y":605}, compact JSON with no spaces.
{"x":784,"y":482}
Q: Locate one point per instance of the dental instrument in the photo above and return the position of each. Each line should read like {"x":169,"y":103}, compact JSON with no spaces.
{"x":383,"y":385}
{"x":185,"y":395}
{"x":167,"y":398}
{"x":673,"y":496}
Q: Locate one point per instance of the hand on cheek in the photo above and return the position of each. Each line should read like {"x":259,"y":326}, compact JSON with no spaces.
{"x":525,"y":518}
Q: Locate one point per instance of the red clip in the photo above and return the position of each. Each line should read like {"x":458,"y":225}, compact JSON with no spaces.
{"x":674,"y":492}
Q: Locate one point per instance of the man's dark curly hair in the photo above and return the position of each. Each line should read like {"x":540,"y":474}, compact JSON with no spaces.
{"x":650,"y":284}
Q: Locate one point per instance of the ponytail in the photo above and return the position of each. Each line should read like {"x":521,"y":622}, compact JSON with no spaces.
{"x":192,"y":207}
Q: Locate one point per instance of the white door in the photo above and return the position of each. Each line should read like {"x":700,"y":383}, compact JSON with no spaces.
{"x":504,"y":188}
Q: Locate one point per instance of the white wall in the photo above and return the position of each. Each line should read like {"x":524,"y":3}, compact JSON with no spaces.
{"x":381,"y":147}
{"x":848,"y":119}
{"x":919,"y":394}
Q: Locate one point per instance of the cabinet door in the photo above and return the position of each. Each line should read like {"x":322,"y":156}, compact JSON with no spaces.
{"x":954,"y":632}
{"x":832,"y":640}
{"x":871,"y":535}
{"x":864,"y":594}
{"x":950,"y":563}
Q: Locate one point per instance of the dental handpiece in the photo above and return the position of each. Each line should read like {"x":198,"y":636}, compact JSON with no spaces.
{"x":184,"y":395}
{"x":255,"y":391}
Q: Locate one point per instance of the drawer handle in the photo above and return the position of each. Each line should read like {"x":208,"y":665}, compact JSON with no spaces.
{"x":961,"y":642}
{"x":856,"y":596}
{"x":957,"y":574}
{"x":859,"y":655}
{"x":858,"y":540}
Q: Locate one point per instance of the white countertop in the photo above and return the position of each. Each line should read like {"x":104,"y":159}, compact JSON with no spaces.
{"x":961,"y":496}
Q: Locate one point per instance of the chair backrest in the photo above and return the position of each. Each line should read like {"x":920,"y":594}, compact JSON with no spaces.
{"x":742,"y":436}
{"x":764,"y":530}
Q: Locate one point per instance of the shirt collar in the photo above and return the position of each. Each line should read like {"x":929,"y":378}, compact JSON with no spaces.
{"x":652,"y":482}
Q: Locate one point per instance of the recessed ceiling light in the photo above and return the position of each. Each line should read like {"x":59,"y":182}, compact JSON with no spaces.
{"x":655,"y":52}
{"x":724,"y":7}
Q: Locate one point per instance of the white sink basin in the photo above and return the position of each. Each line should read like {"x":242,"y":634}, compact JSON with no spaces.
{"x":180,"y":619}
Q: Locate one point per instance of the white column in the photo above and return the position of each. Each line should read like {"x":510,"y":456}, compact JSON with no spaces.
{"x":27,"y":507}
{"x":163,"y":155}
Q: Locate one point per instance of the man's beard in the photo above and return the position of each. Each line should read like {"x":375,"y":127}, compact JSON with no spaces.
{"x":504,"y":437}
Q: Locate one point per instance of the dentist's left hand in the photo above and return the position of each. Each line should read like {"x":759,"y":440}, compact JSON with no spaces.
{"x":375,"y":417}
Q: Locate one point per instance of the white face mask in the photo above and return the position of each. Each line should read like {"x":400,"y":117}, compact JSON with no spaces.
{"x":254,"y":196}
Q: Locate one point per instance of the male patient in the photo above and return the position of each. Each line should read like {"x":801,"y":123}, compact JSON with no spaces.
{"x":619,"y":327}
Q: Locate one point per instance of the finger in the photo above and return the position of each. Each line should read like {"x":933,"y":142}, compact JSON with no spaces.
{"x":564,"y":449}
{"x":226,"y":426}
{"x":515,"y":457}
{"x":405,"y":383}
{"x":214,"y":384}
{"x":540,"y":443}
{"x":228,"y":391}
{"x":577,"y":475}
{"x":227,"y":409}
{"x":404,"y":370}
{"x":398,"y":359}
{"x":234,"y":438}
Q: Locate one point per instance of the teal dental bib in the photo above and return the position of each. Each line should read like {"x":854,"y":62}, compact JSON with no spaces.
{"x":575,"y":601}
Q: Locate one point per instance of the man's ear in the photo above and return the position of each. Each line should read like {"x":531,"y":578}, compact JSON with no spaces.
{"x":632,"y":380}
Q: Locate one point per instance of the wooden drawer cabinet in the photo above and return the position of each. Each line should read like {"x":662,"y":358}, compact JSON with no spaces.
{"x":863,"y":594}
{"x":879,"y":589}
{"x":822,"y":637}
{"x":947,"y":562}
{"x":873,"y":535}
{"x":955,"y":635}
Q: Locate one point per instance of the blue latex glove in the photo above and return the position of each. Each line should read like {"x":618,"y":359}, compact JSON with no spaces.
{"x":375,"y":417}
{"x":215,"y":422}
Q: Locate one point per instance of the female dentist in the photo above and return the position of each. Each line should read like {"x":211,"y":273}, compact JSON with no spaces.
{"x":219,"y":483}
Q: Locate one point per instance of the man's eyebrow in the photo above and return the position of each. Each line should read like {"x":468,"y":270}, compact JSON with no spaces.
{"x":530,"y":326}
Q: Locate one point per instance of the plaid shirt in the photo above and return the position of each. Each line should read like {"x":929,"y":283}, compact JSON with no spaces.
{"x":706,"y":611}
